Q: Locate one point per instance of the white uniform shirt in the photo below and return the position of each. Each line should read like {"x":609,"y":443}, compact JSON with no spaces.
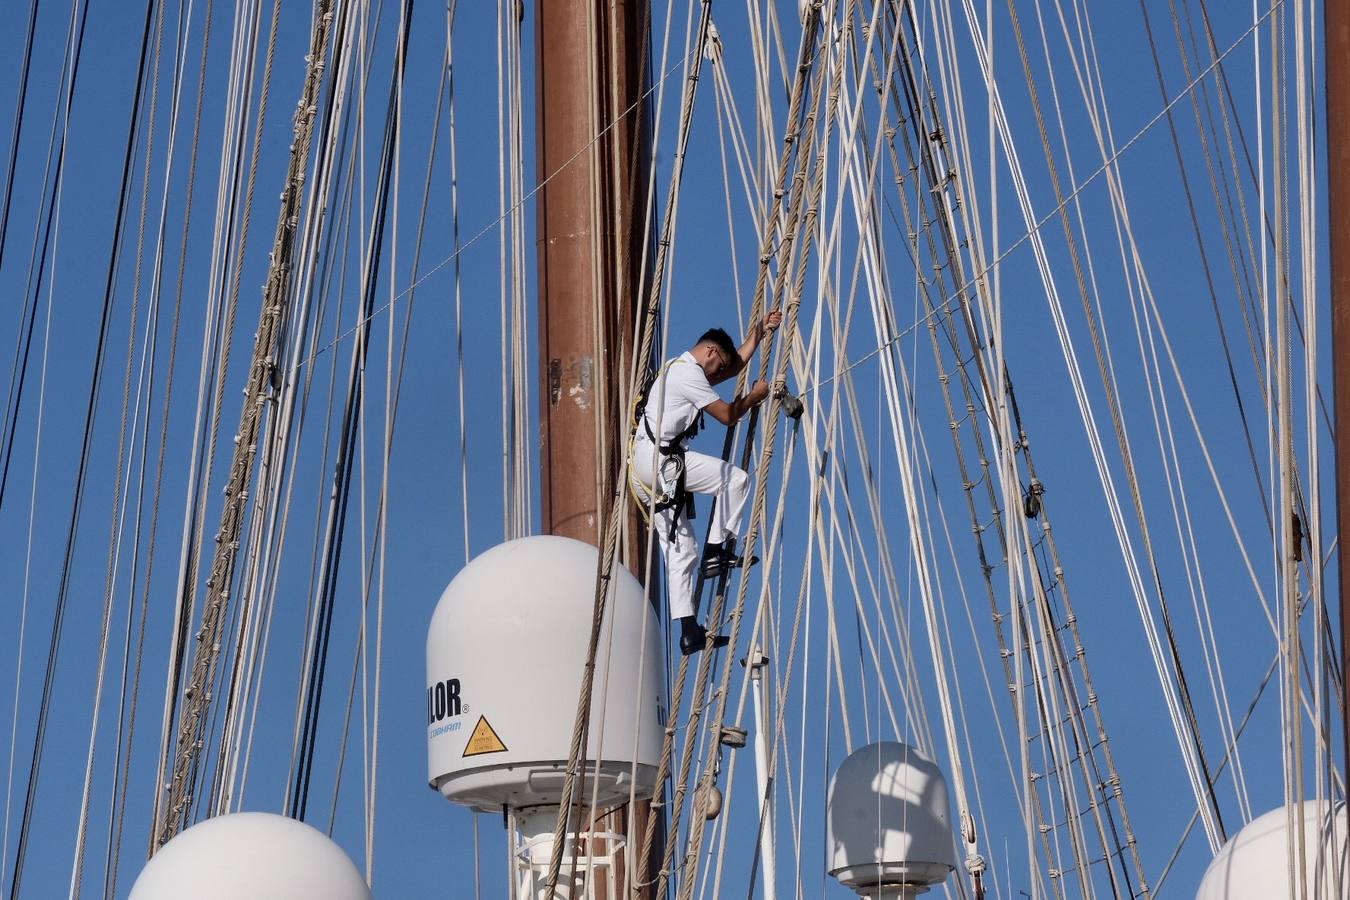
{"x":680,"y":392}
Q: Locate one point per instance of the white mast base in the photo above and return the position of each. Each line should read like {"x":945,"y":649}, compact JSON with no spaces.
{"x":588,"y":854}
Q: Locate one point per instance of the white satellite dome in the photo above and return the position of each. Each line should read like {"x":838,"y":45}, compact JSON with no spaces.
{"x":259,"y":856}
{"x":506,"y":652}
{"x":1255,"y":861}
{"x":887,"y":827}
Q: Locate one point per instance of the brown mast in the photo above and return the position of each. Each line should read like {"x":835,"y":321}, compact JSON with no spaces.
{"x":1336,"y":26}
{"x":591,"y":210}
{"x":593,"y":166}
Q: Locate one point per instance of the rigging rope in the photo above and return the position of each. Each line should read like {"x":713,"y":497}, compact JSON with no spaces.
{"x":796,"y":110}
{"x":646,"y":326}
{"x":352,"y":419}
{"x":196,"y":703}
{"x":58,"y":617}
{"x":792,"y":295}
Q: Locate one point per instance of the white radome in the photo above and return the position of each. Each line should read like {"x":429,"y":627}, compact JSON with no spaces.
{"x":260,"y":856}
{"x":506,"y":651}
{"x":1254,"y":864}
{"x":887,"y":822}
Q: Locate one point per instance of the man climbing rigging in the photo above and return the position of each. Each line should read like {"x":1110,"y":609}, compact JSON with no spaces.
{"x":661,"y":461}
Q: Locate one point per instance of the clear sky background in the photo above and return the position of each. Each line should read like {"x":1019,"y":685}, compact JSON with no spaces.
{"x":424,"y":847}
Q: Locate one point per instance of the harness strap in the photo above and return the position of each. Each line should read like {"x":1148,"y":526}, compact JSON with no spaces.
{"x":681,"y":499}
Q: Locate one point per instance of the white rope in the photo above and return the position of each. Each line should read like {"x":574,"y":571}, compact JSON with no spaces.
{"x":1171,"y":462}
{"x":127,"y":718}
{"x":180,"y":792}
{"x":1189,"y":551}
{"x":60,"y":115}
{"x":196,"y":481}
{"x":286,"y":432}
{"x":28,"y":549}
{"x":1135,"y":575}
{"x":122,"y":479}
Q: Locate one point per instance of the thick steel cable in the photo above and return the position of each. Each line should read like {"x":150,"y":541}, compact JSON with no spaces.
{"x":503,"y":285}
{"x":271,"y":322}
{"x":1282,"y":442}
{"x":314,"y":274}
{"x":280,"y":440}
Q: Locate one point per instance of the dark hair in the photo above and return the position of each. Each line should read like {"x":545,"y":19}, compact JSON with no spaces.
{"x":720,"y":339}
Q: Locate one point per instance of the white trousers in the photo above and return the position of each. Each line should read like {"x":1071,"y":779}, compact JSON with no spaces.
{"x":703,"y":474}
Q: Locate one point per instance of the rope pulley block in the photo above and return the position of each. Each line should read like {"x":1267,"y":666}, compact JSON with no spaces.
{"x":1031,"y":503}
{"x":731,"y":736}
{"x":793,"y":407}
{"x":712,"y":47}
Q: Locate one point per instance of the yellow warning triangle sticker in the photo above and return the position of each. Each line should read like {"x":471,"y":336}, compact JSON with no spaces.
{"x":483,"y":740}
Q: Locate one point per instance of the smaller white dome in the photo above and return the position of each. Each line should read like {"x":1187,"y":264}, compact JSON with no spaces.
{"x":887,"y":823}
{"x":1254,"y":864}
{"x":260,"y":856}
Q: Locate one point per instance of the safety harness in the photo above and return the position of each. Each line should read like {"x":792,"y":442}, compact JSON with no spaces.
{"x":671,"y":469}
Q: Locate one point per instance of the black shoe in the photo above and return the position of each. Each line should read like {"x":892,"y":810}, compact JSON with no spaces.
{"x":697,"y":638}
{"x":718,"y":559}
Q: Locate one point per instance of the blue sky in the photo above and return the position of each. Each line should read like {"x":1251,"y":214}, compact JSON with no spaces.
{"x":423,"y":846}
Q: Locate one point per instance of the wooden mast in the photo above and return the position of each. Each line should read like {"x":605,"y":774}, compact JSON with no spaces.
{"x":1337,"y":35}
{"x":591,"y":209}
{"x":593,"y":166}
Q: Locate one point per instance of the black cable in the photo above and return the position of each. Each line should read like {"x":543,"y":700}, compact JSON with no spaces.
{"x":336,"y":527}
{"x":16,"y":377}
{"x":123,"y":777}
{"x":22,"y":349}
{"x":80,"y":480}
{"x":18,"y":126}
